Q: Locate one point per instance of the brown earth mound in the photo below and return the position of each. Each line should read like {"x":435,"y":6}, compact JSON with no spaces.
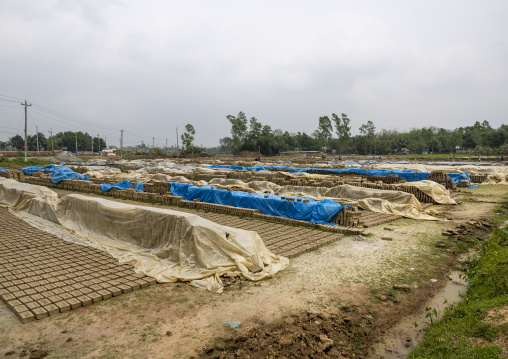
{"x":312,"y":335}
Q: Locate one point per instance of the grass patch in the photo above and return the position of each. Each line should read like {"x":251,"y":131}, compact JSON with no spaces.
{"x":463,"y":332}
{"x":20,"y":161}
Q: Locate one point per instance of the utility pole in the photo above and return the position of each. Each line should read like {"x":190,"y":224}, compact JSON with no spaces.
{"x":167,"y":151}
{"x":92,"y":145}
{"x":26,"y":141}
{"x":177,"y":150}
{"x":37,"y":134}
{"x":99,"y":140}
{"x":153,"y":142}
{"x":76,"y":134}
{"x":51,"y":133}
{"x":121,"y":142}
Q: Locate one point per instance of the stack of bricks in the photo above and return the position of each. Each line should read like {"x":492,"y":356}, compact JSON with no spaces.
{"x":42,"y":275}
{"x":478,"y":178}
{"x":442,"y":178}
{"x":349,"y":216}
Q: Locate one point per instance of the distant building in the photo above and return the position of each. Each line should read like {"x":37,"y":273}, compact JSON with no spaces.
{"x":109,"y":152}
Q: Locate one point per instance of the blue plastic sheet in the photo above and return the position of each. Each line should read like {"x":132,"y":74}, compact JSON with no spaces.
{"x":460,"y":178}
{"x":57,"y":174}
{"x":473,"y":186}
{"x":31,"y":169}
{"x":123,"y":186}
{"x":63,"y":173}
{"x":312,"y":211}
{"x":408,"y":175}
{"x":4,"y":169}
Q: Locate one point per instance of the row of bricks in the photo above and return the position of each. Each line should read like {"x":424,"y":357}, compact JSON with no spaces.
{"x":29,"y":311}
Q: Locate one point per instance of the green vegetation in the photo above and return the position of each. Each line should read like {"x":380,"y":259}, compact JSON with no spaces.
{"x":470,"y":329}
{"x":67,"y":139}
{"x":252,"y":135}
{"x":20,"y":161}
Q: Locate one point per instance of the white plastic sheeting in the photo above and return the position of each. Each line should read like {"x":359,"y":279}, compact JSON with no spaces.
{"x":436,"y":191}
{"x":420,"y":167}
{"x":384,"y":201}
{"x":165,"y":244}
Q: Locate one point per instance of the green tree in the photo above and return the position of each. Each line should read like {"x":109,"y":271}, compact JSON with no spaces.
{"x":324,"y":131}
{"x":226,"y":145}
{"x":32,"y":142}
{"x":238,"y":129}
{"x":343,"y":130}
{"x":17,"y":142}
{"x":368,"y":132}
{"x":187,"y":138}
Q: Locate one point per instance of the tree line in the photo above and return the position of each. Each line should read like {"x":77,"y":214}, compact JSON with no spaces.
{"x":62,"y":140}
{"x":334,"y":133}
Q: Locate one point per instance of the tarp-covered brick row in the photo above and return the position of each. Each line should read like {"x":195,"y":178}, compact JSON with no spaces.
{"x":56,"y":173}
{"x":384,"y":201}
{"x":408,"y":175}
{"x":273,"y":205}
{"x":162,"y":243}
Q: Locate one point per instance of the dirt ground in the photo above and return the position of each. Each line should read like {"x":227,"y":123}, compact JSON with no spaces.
{"x":334,"y":302}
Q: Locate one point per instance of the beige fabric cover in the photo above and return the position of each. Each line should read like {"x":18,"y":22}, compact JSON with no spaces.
{"x":435,"y":190}
{"x":165,"y":244}
{"x":471,"y":169}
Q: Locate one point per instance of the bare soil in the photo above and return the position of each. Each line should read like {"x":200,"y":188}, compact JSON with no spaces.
{"x":342,"y":293}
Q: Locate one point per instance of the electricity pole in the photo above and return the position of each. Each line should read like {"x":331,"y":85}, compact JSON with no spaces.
{"x":177,"y":150}
{"x":92,"y":145}
{"x":37,"y":134}
{"x":26,"y":142}
{"x":153,"y":142}
{"x":99,"y":140}
{"x":51,"y":132}
{"x":121,"y":142}
{"x":167,"y":146}
{"x":76,"y":134}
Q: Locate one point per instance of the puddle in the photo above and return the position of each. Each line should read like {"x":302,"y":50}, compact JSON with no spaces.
{"x":398,"y":341}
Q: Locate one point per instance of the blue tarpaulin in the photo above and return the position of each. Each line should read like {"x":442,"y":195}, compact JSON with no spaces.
{"x":57,"y":174}
{"x":63,"y":173}
{"x":273,"y":205}
{"x":123,"y":185}
{"x":408,"y":175}
{"x":460,"y":178}
{"x":4,"y":169}
{"x":30,"y":170}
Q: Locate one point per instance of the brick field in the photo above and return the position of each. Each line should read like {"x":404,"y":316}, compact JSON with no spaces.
{"x":42,"y":275}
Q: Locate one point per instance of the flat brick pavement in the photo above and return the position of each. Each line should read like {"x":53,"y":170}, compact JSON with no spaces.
{"x":42,"y":275}
{"x":288,"y":241}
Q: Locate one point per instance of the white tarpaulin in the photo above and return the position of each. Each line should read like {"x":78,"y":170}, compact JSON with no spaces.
{"x":436,"y":191}
{"x":162,"y":243}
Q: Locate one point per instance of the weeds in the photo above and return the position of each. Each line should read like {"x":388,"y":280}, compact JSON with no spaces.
{"x":452,"y":337}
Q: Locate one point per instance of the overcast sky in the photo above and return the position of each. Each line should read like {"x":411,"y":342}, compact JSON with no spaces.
{"x":149,"y":67}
